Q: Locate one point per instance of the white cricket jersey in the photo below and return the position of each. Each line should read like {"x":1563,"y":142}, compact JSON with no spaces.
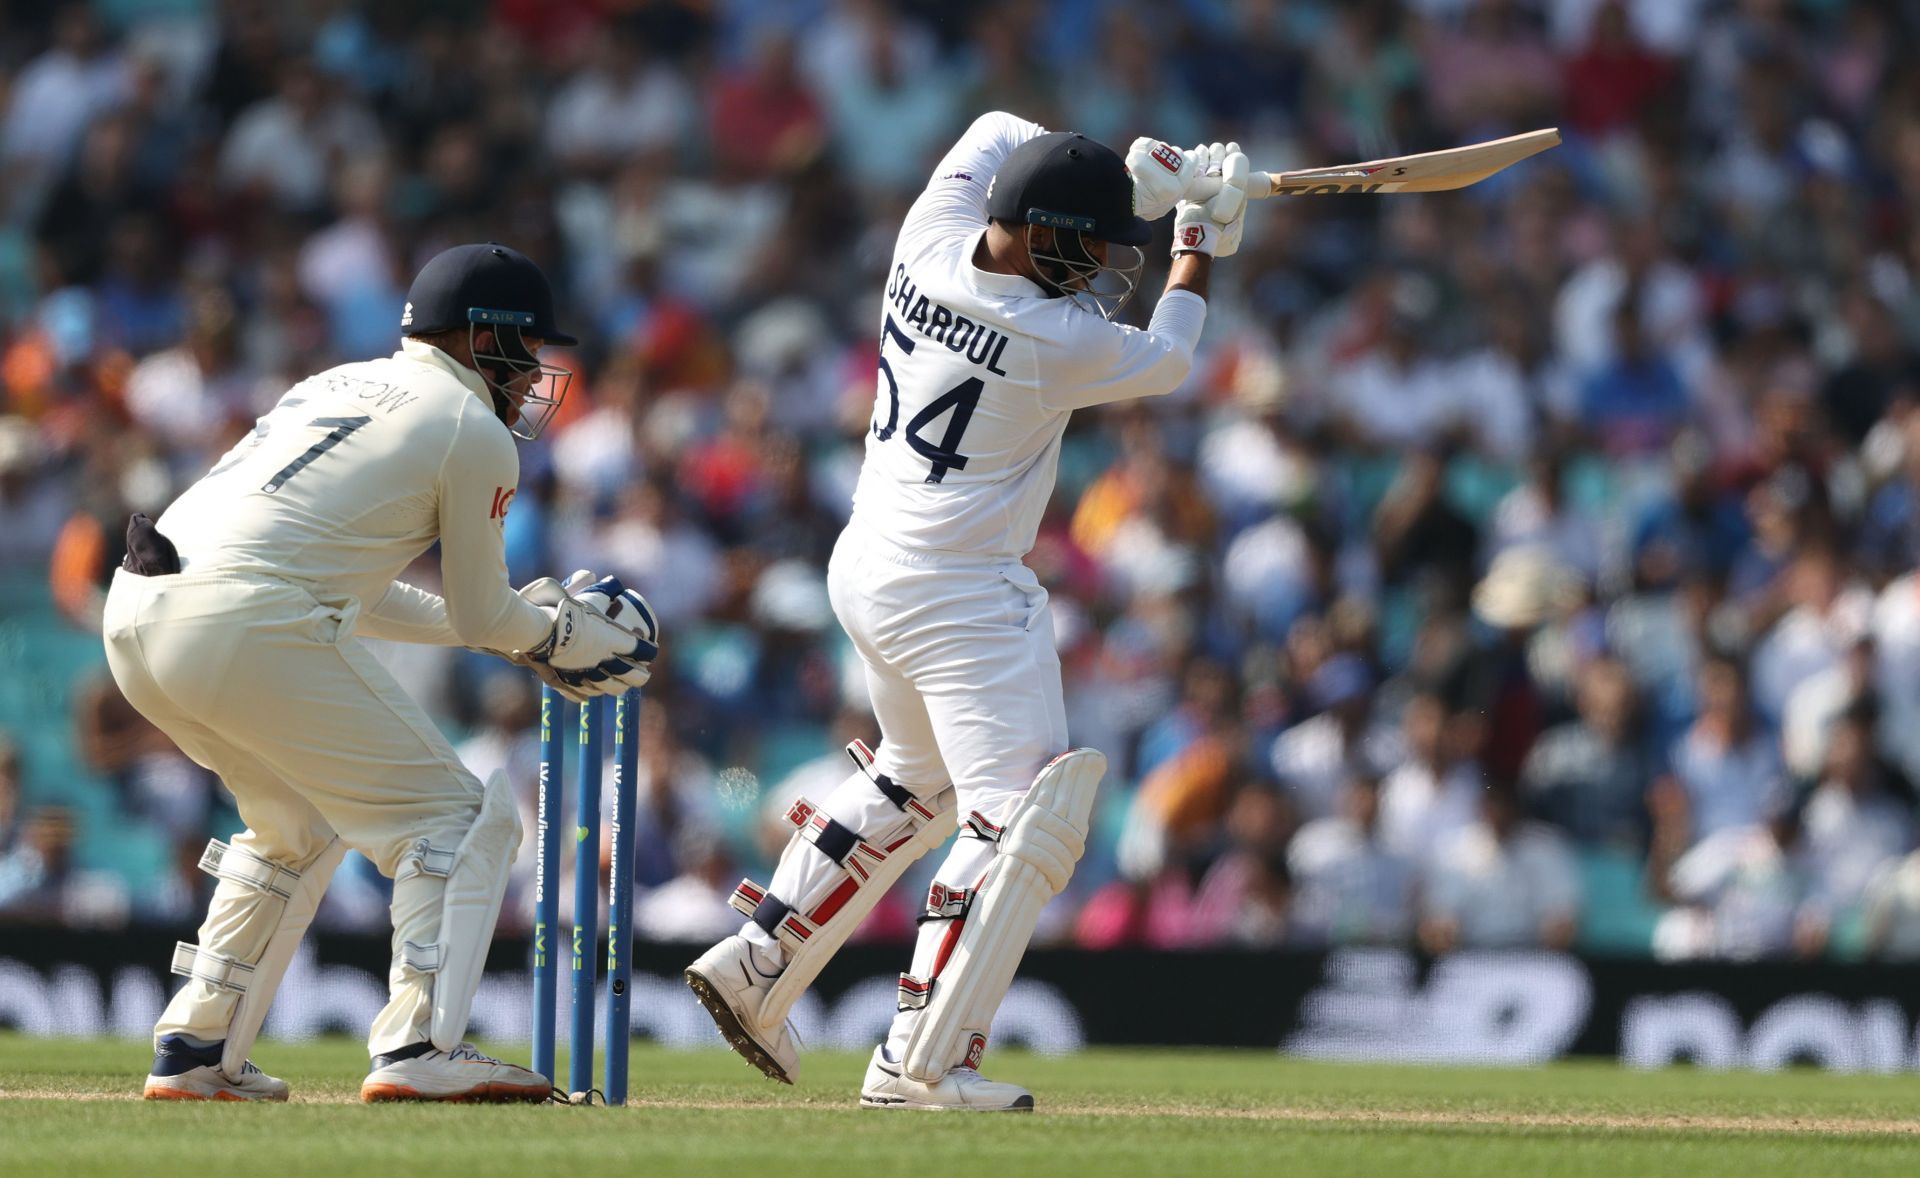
{"x":980,"y":371}
{"x":357,"y":471}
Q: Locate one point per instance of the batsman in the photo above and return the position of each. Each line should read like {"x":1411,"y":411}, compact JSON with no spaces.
{"x":235,"y":626}
{"x":997,"y":325}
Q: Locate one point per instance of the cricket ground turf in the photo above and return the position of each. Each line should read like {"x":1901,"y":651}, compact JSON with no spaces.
{"x":70,"y":1109}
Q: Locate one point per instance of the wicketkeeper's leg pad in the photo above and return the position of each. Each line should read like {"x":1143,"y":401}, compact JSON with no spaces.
{"x":843,"y":856}
{"x":470,"y":881}
{"x":255,"y":895}
{"x":1032,"y":862}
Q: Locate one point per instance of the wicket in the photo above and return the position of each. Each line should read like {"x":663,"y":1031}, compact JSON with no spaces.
{"x":586,"y":893}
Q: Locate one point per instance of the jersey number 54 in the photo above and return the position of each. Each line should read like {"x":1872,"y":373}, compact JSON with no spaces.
{"x":961,"y":398}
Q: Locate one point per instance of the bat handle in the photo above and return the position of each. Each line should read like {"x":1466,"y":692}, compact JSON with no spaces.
{"x":1260,"y":185}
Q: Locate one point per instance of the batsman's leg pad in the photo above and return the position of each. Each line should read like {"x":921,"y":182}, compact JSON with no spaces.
{"x":1033,"y":861}
{"x":472,"y":880}
{"x":254,"y":889}
{"x":949,"y":900}
{"x":843,"y":857}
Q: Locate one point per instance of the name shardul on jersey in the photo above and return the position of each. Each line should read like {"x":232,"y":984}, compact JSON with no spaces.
{"x":982,"y":344}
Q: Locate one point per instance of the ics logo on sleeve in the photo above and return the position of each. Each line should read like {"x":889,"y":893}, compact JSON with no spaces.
{"x":502,"y":500}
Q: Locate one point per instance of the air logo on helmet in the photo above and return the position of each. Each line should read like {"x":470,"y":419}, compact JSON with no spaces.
{"x":507,"y":318}
{"x":1168,"y":157}
{"x":1060,"y":220}
{"x":406,"y":316}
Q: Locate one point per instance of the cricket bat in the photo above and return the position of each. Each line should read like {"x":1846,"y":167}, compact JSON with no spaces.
{"x":1430,"y":171}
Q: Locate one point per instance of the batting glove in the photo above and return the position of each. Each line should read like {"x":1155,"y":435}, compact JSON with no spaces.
{"x":1213,"y":226}
{"x":1162,"y":175}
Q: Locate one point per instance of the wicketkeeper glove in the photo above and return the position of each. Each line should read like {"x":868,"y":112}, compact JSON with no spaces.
{"x":604,"y":638}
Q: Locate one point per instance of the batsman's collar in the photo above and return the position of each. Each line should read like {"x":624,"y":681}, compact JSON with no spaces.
{"x":422,"y":352}
{"x":987,"y":282}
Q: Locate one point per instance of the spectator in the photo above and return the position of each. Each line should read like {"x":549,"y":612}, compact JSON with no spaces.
{"x":20,"y":866}
{"x":1741,"y":891}
{"x":1245,"y":897}
{"x":1896,"y":645}
{"x":201,"y":393}
{"x":1693,"y":527}
{"x":692,"y":906}
{"x":1857,"y":820}
{"x":1500,"y":883}
{"x":60,"y":91}
{"x":1435,"y":792}
{"x":1417,"y":534}
{"x":676,"y":795}
{"x":1537,"y":514}
{"x":158,"y":785}
{"x":1397,"y":393}
{"x":1188,"y":765}
{"x":351,"y":268}
{"x":1726,"y":773}
{"x":1828,"y":610}
{"x":1126,"y":90}
{"x":1350,"y":887}
{"x":1588,"y":777}
{"x":1889,"y":541}
{"x":36,"y":867}
{"x":889,"y":100}
{"x":623,"y":102}
{"x":31,"y":507}
{"x":1315,"y":758}
{"x":1635,"y":400}
{"x":764,"y":120}
{"x":283,"y":149}
{"x":1817,"y":704}
{"x":102,"y":186}
{"x":1495,"y":69}
{"x":1614,"y":78}
{"x":1892,"y":910}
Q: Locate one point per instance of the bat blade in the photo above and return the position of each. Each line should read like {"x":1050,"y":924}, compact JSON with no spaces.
{"x":1429,"y":171}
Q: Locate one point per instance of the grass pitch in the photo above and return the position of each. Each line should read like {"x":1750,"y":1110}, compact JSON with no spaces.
{"x":69,"y":1109}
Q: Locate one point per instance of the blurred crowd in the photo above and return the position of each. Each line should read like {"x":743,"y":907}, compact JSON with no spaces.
{"x":1531,"y":565}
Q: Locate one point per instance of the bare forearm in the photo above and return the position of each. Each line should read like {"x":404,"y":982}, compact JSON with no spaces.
{"x":1190,"y":271}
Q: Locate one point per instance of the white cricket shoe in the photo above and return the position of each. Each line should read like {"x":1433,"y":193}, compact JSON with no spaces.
{"x":962,"y":1090}
{"x":424,"y":1072}
{"x":185,"y":1072}
{"x":733,"y":989}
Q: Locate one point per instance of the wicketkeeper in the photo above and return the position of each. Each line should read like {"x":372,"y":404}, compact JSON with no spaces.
{"x":235,"y":626}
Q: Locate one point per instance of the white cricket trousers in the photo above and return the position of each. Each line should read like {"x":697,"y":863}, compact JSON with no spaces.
{"x":265,"y":685}
{"x":961,"y":666}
